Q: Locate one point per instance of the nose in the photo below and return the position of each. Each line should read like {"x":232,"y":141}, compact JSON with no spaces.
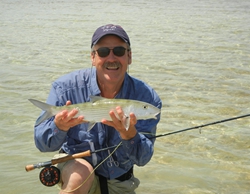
{"x":111,"y":56}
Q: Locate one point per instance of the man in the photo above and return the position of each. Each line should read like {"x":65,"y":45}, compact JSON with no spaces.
{"x":111,"y":55}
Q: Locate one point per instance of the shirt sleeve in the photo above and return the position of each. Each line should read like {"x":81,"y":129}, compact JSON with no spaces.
{"x":47,"y":136}
{"x":140,"y":148}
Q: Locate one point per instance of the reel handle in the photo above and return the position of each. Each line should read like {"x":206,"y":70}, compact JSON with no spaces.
{"x":29,"y":167}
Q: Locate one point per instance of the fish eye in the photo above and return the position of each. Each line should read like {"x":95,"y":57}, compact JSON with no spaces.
{"x":145,"y":106}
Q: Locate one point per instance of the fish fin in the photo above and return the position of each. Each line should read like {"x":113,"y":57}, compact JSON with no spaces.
{"x":45,"y":107}
{"x":96,"y":98}
{"x":126,"y":122}
{"x":40,"y":104}
{"x":85,"y":121}
{"x":43,"y":117}
{"x":91,"y":125}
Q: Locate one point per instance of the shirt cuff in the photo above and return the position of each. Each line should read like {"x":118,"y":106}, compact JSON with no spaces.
{"x":58,"y":132}
{"x":131,"y":142}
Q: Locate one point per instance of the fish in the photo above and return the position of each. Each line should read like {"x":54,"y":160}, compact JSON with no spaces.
{"x":98,"y":108}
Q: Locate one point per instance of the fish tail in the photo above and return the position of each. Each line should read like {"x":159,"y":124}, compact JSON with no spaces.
{"x":45,"y":107}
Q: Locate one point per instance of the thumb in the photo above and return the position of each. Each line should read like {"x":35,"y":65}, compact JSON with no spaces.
{"x":68,"y":103}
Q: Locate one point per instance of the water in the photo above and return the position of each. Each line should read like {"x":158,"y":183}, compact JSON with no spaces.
{"x":194,"y":53}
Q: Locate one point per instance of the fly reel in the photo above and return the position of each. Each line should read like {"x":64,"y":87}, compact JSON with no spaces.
{"x":49,"y":176}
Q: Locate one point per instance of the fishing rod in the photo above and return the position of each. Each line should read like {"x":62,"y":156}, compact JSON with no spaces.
{"x":49,"y":176}
{"x":201,"y":126}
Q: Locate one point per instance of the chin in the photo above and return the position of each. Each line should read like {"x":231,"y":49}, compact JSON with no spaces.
{"x":113,"y":79}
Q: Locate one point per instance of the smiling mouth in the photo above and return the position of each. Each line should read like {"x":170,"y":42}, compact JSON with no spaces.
{"x":112,"y":66}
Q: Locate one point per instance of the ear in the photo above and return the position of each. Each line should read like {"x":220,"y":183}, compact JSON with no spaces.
{"x":129,"y":57}
{"x":93,"y":58}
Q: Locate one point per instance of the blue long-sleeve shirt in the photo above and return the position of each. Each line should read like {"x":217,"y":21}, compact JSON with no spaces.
{"x":77,"y":87}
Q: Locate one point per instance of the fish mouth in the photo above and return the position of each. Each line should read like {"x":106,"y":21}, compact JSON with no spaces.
{"x":112,"y":66}
{"x":156,"y":114}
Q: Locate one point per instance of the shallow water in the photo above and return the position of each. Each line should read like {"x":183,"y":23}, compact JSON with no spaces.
{"x":194,"y":53}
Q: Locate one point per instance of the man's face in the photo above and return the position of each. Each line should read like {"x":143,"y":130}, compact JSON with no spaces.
{"x":111,"y":68}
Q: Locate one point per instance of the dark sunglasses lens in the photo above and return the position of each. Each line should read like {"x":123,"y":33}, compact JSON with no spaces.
{"x":119,"y":51}
{"x":103,"y":51}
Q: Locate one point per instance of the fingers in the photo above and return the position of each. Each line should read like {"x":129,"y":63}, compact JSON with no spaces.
{"x":121,"y":116}
{"x":118,"y":118}
{"x":68,"y":103}
{"x":133,"y":119}
{"x":65,"y":119}
{"x":69,"y":115}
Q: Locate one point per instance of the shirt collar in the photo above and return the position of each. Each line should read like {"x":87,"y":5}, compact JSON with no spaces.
{"x":94,"y":85}
{"x":124,"y":90}
{"x":96,"y":90}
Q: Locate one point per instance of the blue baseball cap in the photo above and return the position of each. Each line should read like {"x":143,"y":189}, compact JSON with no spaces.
{"x":109,"y":29}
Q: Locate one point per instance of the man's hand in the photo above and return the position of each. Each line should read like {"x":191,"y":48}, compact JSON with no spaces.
{"x":118,"y":124}
{"x":65,"y":119}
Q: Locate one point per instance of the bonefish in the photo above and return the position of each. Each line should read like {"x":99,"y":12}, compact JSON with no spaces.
{"x":99,"y":109}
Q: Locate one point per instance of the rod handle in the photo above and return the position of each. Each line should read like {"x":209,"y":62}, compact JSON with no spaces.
{"x":57,"y":160}
{"x":70,"y":157}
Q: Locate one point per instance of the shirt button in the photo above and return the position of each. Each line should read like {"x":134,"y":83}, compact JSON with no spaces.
{"x":132,"y":142}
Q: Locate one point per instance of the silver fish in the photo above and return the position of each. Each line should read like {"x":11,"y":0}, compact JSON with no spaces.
{"x":99,"y":109}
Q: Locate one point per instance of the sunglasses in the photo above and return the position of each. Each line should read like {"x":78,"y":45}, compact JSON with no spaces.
{"x":118,"y":51}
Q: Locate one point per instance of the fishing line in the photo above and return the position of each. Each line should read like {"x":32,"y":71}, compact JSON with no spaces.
{"x":70,"y":191}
